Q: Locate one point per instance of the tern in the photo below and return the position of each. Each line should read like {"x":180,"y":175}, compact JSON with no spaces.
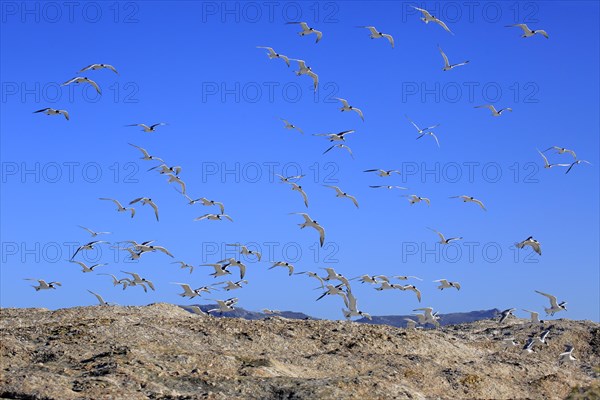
{"x":341,"y":146}
{"x":120,"y":207}
{"x":375,"y":34}
{"x":146,"y":156}
{"x":309,"y":222}
{"x":220,"y":269}
{"x":445,"y":284}
{"x":288,"y":179}
{"x":372,"y":279}
{"x":548,"y":165}
{"x":94,"y":234}
{"x":232,"y":262}
{"x":287,"y":265}
{"x":273,"y":54}
{"x":289,"y":125}
{"x":491,"y":107}
{"x":184,"y":265}
{"x":348,"y":107}
{"x":234,"y":285}
{"x":562,"y":150}
{"x":206,"y":202}
{"x":95,"y":67}
{"x":340,"y":193}
{"x":307,"y":30}
{"x":419,"y":130}
{"x":100,"y":299}
{"x":146,"y":248}
{"x":407,"y":277}
{"x":333,"y":290}
{"x":577,"y":163}
{"x":528,"y":32}
{"x":116,"y":281}
{"x":386,"y":285}
{"x":87,"y":246}
{"x":555,"y":306}
{"x":244,"y":250}
{"x":505,"y":314}
{"x":443,"y":240}
{"x":313,"y":275}
{"x":333,"y":275}
{"x":139,"y":280}
{"x":85,"y":268}
{"x":427,"y":18}
{"x":268,"y":311}
{"x":165,"y":169}
{"x":529,"y":345}
{"x":53,"y":111}
{"x":43,"y":285}
{"x":530,"y":241}
{"x":430,"y":133}
{"x":197,"y":310}
{"x":187,"y":290}
{"x":428,"y":317}
{"x":533,"y":316}
{"x":146,"y":200}
{"x":447,"y":65}
{"x":387,"y":187}
{"x":306,"y":70}
{"x":353,"y":311}
{"x":383,"y":173}
{"x":176,"y":179}
{"x":412,"y":288}
{"x":299,"y":189}
{"x":567,"y":355}
{"x":335,"y":137}
{"x":508,"y":343}
{"x":471,"y":199}
{"x":413,"y":198}
{"x":410,"y":323}
{"x":214,"y":217}
{"x":148,"y":128}
{"x":224,"y":305}
{"x":80,"y":79}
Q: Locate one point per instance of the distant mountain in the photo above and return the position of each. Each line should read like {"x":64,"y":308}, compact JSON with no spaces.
{"x":392,"y":320}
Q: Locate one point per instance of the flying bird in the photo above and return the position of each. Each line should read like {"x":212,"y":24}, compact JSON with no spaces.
{"x":375,"y":34}
{"x":493,"y":109}
{"x":146,"y":156}
{"x":430,"y":133}
{"x":229,"y":285}
{"x":95,"y":67}
{"x":244,"y":250}
{"x":146,"y":200}
{"x":384,"y":174}
{"x":100,"y":299}
{"x":213,"y":217}
{"x":287,"y":265}
{"x":548,"y":165}
{"x":443,"y":240}
{"x":447,"y":65}
{"x":340,"y":193}
{"x":340,"y":146}
{"x":306,"y":30}
{"x":419,"y":130}
{"x":577,"y":163}
{"x":303,"y":69}
{"x":413,"y":198}
{"x":299,"y":189}
{"x":288,"y":179}
{"x":387,"y":187}
{"x":427,"y":18}
{"x":43,"y":285}
{"x":139,"y":280}
{"x":94,"y":234}
{"x":288,"y":125}
{"x":445,"y":284}
{"x":232,"y":262}
{"x":528,"y":32}
{"x":348,"y":107}
{"x":471,"y":199}
{"x":146,"y":128}
{"x":309,"y":222}
{"x":555,"y":306}
{"x":567,"y":355}
{"x":312,"y":275}
{"x":335,"y":137}
{"x":87,"y":246}
{"x":531,"y":242}
{"x":165,"y":169}
{"x":184,"y":265}
{"x":176,"y":179}
{"x":273,"y":54}
{"x":53,"y":111}
{"x":80,"y":79}
{"x":414,"y":289}
{"x":85,"y":268}
{"x":120,"y":207}
{"x":220,"y":269}
{"x":562,"y":150}
{"x":505,"y":314}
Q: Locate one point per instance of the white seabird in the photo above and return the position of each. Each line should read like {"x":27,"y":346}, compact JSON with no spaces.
{"x":53,"y":111}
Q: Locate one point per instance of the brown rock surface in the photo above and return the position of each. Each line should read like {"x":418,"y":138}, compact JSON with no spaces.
{"x":163,"y":352}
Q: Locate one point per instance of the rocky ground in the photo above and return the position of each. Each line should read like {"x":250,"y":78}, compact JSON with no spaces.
{"x":164,"y":352}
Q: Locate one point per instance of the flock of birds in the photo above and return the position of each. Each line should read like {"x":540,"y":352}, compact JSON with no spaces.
{"x":332,"y":283}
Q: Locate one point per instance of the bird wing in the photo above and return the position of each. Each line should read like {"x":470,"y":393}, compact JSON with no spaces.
{"x":113,"y":200}
{"x":144,"y":152}
{"x":442,"y":24}
{"x":344,"y":101}
{"x":95,"y":85}
{"x":389,"y":38}
{"x":155,"y":207}
{"x":353,"y":200}
{"x":415,"y":125}
{"x":359,"y":112}
{"x":553,"y":301}
{"x":446,"y":62}
{"x":524,"y":27}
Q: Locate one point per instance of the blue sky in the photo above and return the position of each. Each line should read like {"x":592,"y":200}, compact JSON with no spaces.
{"x":196,"y":66}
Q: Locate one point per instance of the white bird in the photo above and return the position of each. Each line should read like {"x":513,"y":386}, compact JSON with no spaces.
{"x":353,"y":311}
{"x":289,"y":125}
{"x":529,"y":345}
{"x":139,"y":280}
{"x":165,"y":169}
{"x":288,"y":179}
{"x":184,"y":265}
{"x":533,"y":316}
{"x":148,"y":128}
{"x":187,"y":290}
{"x":341,"y":146}
{"x":146,"y":248}
{"x":413,"y":198}
{"x":100,"y":299}
{"x":419,"y":130}
{"x":333,"y":290}
{"x":428,"y":317}
{"x":445,"y":284}
{"x":53,"y":111}
{"x":87,"y":246}
{"x":95,"y":67}
{"x":555,"y":306}
{"x":176,"y":179}
{"x":287,"y":265}
{"x":214,"y":217}
{"x":224,"y":305}
{"x":567,"y":355}
{"x":348,"y":107}
{"x":562,"y":150}
{"x":548,"y":165}
{"x":309,"y":222}
{"x":407,"y":277}
{"x":233,"y":285}
{"x":146,"y":156}
{"x":85,"y":268}
{"x":528,"y":32}
{"x":220,"y":269}
{"x":430,"y":133}
{"x":386,"y":285}
{"x":340,"y":193}
{"x":530,"y":241}
{"x":372,"y":279}
{"x":505,"y":314}
{"x":387,"y":187}
{"x":335,"y":137}
{"x":412,"y":288}
{"x":232,"y":262}
{"x":206,"y":202}
{"x":303,"y":69}
{"x":306,"y":30}
{"x":495,"y":113}
{"x":375,"y":34}
{"x":333,"y":275}
{"x":117,"y":281}
{"x":508,"y":343}
{"x":197,"y":310}
{"x":299,"y":189}
{"x":471,"y":199}
{"x":80,"y":79}
{"x":273,"y":54}
{"x":427,"y":18}
{"x":43,"y":285}
{"x":383,"y":173}
{"x":447,"y":65}
{"x":268,"y":311}
{"x":313,"y":275}
{"x":146,"y":200}
{"x":245,"y":251}
{"x":443,"y":240}
{"x":120,"y":207}
{"x":410,"y":323}
{"x":577,"y":163}
{"x":94,"y":234}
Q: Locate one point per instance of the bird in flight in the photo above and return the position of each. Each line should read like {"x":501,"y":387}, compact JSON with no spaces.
{"x":53,"y":111}
{"x":419,"y":130}
{"x":375,"y":34}
{"x":288,"y":125}
{"x":577,"y":163}
{"x":120,"y":207}
{"x":150,"y":128}
{"x":471,"y":199}
{"x":95,"y":67}
{"x":340,"y":193}
{"x":146,"y":200}
{"x":146,"y":156}
{"x":307,"y":30}
{"x":43,"y":285}
{"x":427,"y":18}
{"x":531,"y":242}
{"x":348,"y":107}
{"x":445,"y":284}
{"x":447,"y":65}
{"x":529,"y":32}
{"x":548,"y":165}
{"x":80,"y":79}
{"x":94,"y":234}
{"x":443,"y":240}
{"x":383,"y":173}
{"x":309,"y":222}
{"x":555,"y":306}
{"x":273,"y":54}
{"x":413,"y":198}
{"x":495,"y":113}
